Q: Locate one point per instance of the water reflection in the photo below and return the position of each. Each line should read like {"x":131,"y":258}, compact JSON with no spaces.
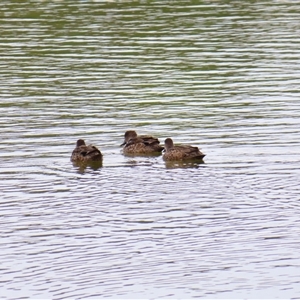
{"x":150,"y":155}
{"x":184,"y":164}
{"x":82,"y":166}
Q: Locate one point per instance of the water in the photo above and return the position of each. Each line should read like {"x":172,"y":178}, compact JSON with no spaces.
{"x":222,"y":75}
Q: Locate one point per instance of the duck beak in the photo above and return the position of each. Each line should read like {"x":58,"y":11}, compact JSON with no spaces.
{"x":123,"y":144}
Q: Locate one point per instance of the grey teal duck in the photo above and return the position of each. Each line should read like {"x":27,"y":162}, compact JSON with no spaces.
{"x":84,"y":153}
{"x":140,"y":144}
{"x":181,"y":152}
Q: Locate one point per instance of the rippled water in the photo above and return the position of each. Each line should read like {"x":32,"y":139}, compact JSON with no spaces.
{"x":222,"y":75}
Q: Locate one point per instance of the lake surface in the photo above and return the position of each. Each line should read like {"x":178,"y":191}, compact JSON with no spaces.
{"x":221,"y":75}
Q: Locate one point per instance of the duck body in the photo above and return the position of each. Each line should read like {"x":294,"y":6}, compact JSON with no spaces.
{"x":84,"y":153}
{"x":140,"y":144}
{"x":181,"y":152}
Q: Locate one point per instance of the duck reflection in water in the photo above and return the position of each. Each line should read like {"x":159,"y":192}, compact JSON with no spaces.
{"x":82,"y":166}
{"x":184,"y":164}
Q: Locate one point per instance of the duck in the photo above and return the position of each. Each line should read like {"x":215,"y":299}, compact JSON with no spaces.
{"x":140,"y":144}
{"x":181,"y":152}
{"x":84,"y":153}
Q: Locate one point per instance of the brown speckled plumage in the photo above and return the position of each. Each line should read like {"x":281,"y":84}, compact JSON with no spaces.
{"x":142,"y":144}
{"x":84,"y":153}
{"x":181,"y":152}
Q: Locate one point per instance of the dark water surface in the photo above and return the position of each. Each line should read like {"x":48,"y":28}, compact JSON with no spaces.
{"x":221,"y":75}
